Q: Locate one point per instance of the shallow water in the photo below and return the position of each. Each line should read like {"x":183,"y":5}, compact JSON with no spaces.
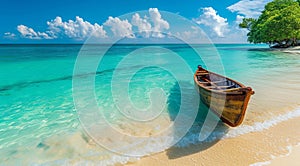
{"x":39,"y":122}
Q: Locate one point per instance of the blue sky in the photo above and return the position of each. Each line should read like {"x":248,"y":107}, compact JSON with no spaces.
{"x":26,"y":21}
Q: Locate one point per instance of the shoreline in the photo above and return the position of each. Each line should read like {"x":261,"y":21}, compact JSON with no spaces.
{"x":293,"y":50}
{"x":255,"y":148}
{"x":292,"y":158}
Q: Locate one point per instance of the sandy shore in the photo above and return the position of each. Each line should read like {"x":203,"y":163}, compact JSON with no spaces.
{"x":258,"y":148}
{"x":290,"y":159}
{"x":293,"y":50}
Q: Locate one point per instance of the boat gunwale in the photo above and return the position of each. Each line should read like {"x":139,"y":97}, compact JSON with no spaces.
{"x":242,"y":87}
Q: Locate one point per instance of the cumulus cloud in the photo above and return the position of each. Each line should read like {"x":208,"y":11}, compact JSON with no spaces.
{"x":236,"y":34}
{"x":249,"y":8}
{"x":152,"y":25}
{"x":77,"y":29}
{"x":120,"y":28}
{"x":29,"y":33}
{"x":159,"y":23}
{"x":144,"y":27}
{"x":211,"y":19}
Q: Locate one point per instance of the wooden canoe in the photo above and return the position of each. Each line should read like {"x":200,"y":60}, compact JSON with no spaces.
{"x":225,"y":97}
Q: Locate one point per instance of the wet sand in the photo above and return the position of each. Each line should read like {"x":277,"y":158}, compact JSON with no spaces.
{"x":290,"y":159}
{"x":258,"y":148}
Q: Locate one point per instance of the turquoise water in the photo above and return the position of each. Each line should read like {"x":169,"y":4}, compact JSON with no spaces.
{"x":39,"y":122}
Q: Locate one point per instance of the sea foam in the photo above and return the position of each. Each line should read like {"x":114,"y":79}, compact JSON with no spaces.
{"x":260,"y":126}
{"x":193,"y":138}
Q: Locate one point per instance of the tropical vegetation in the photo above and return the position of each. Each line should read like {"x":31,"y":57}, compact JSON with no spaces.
{"x":278,"y":25}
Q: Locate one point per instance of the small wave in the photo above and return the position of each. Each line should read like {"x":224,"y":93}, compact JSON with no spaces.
{"x":114,"y":160}
{"x":260,"y":126}
{"x":192,"y":138}
{"x":223,"y":133}
{"x":261,"y":163}
{"x":289,"y":149}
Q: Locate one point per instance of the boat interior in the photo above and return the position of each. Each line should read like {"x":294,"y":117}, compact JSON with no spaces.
{"x":215,"y":82}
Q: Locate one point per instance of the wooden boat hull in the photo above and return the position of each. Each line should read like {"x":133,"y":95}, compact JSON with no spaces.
{"x":229,"y":106}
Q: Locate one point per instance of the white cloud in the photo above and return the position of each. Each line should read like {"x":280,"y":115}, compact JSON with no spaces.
{"x":239,"y":19}
{"x":120,"y":28}
{"x":77,"y":29}
{"x":235,"y":35}
{"x":9,"y":35}
{"x":143,"y":25}
{"x":29,"y":33}
{"x":159,"y":23}
{"x":240,"y":31}
{"x":211,"y":19}
{"x":249,"y":8}
{"x":154,"y":26}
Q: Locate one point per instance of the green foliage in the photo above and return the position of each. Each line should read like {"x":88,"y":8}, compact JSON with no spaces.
{"x":279,"y":24}
{"x":247,"y":23}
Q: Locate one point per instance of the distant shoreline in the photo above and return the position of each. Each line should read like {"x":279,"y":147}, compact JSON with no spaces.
{"x":293,"y":50}
{"x":290,"y":50}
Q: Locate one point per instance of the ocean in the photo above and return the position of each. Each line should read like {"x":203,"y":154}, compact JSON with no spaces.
{"x":48,"y":105}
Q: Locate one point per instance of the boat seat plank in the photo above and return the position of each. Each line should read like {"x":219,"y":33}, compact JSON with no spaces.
{"x":214,"y":82}
{"x":222,"y":87}
{"x":201,"y":74}
{"x":201,"y":82}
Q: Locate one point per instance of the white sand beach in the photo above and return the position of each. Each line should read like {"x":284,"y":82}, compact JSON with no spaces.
{"x":257,"y":148}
